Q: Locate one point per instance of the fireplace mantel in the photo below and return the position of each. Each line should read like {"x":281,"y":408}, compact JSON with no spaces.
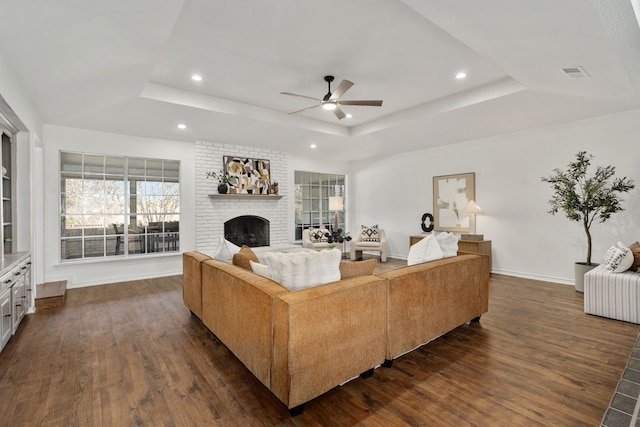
{"x":245,"y":196}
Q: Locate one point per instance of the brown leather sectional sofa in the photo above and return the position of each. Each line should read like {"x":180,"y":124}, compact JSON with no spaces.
{"x":302,"y":344}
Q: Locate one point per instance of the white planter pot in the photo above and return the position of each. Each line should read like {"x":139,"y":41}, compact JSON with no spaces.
{"x":580,"y":270}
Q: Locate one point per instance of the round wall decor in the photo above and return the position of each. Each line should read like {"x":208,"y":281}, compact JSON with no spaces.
{"x":424,"y":226}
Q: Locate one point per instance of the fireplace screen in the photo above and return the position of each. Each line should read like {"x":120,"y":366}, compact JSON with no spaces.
{"x":249,"y":230}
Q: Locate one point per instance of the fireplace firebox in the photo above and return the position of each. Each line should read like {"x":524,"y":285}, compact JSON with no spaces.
{"x":250,"y":230}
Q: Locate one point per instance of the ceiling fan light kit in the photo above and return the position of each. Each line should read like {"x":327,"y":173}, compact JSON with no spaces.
{"x":329,"y":105}
{"x":331,"y":100}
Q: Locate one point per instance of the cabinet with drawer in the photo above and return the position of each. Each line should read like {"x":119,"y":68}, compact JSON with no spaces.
{"x":16,"y":298}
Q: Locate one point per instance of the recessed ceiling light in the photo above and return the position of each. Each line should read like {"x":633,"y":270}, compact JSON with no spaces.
{"x":349,"y":116}
{"x":196,"y":77}
{"x":181,"y":126}
{"x":461,"y":75}
{"x":313,"y":146}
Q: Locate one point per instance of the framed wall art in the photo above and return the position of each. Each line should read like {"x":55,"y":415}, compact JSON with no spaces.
{"x":247,"y":176}
{"x":451,"y":193}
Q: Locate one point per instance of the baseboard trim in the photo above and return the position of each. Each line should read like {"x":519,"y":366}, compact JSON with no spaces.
{"x":534,"y":277}
{"x":124,"y":279}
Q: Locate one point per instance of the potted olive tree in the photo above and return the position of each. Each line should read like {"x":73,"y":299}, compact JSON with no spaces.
{"x":586,"y":198}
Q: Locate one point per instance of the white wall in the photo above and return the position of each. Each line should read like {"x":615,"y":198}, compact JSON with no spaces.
{"x":27,"y":231}
{"x":527,"y":241}
{"x":88,"y":273}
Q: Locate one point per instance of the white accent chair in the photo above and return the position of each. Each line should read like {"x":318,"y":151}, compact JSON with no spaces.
{"x":357,"y":246}
{"x":308,"y":243}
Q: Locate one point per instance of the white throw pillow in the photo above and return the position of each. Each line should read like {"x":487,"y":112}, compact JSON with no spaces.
{"x":300,"y":270}
{"x":448,"y":243}
{"x":226,"y":250}
{"x":261,"y":269}
{"x":425,"y":250}
{"x":618,"y":258}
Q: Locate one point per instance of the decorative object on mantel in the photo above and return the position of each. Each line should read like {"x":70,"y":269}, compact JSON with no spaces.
{"x":273,"y":188}
{"x":472,"y":209}
{"x":586,"y":198}
{"x":223,"y":180}
{"x":245,"y":196}
{"x":247,"y":176}
{"x":451,"y":193}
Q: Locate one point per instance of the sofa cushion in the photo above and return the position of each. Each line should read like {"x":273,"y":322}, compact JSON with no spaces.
{"x":357,"y":268}
{"x":244,"y":255}
{"x":635,"y":249}
{"x":300,"y":270}
{"x":318,"y":235}
{"x":618,"y":258}
{"x":369,"y":234}
{"x":448,"y":243}
{"x":225,"y":250}
{"x":261,"y":269}
{"x":424,"y":250}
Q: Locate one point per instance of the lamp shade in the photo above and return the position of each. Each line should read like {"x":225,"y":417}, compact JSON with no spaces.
{"x":472,"y":208}
{"x":336,"y":203}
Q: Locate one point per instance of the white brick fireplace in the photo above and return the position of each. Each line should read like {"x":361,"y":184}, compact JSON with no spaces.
{"x":211,"y":214}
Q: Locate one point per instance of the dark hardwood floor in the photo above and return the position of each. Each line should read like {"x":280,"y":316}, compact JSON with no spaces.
{"x":131,"y":354}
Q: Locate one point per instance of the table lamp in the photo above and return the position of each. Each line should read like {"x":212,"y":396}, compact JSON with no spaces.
{"x":472,"y":209}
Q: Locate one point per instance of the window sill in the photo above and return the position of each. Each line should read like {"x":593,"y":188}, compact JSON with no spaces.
{"x":118,"y":258}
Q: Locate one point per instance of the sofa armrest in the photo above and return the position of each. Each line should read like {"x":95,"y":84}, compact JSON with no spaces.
{"x":192,"y":281}
{"x":326,"y":335}
{"x":237,"y":307}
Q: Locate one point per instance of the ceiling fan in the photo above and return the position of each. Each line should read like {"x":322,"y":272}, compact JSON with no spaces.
{"x":331,"y":101}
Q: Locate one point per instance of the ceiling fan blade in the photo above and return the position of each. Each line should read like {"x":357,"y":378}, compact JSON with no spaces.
{"x":300,"y":96}
{"x":339,"y":113}
{"x":340,"y":90}
{"x":365,"y":103}
{"x":304,"y":109}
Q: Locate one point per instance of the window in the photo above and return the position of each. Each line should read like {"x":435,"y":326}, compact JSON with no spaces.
{"x":118,"y":206}
{"x":312,"y":192}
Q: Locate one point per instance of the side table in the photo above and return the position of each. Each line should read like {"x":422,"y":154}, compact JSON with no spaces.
{"x":416,"y":238}
{"x":476,"y":246}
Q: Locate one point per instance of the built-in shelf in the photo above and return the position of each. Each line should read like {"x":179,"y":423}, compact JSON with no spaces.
{"x":245,"y":196}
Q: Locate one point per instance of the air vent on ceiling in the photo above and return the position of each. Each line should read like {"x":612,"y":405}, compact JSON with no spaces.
{"x":575,"y":72}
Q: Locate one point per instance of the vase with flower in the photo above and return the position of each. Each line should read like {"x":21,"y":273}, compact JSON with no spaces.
{"x":223,"y":180}
{"x":336,"y":236}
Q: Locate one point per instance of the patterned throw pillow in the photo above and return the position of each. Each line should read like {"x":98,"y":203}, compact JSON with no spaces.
{"x":369,"y":234}
{"x":317,"y":235}
{"x":618,"y":258}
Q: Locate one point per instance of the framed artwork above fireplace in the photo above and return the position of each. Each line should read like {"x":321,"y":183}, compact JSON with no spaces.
{"x":247,"y":176}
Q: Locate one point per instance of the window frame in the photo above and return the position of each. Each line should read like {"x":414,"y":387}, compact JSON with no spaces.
{"x":119,"y":237}
{"x":320,"y":186}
